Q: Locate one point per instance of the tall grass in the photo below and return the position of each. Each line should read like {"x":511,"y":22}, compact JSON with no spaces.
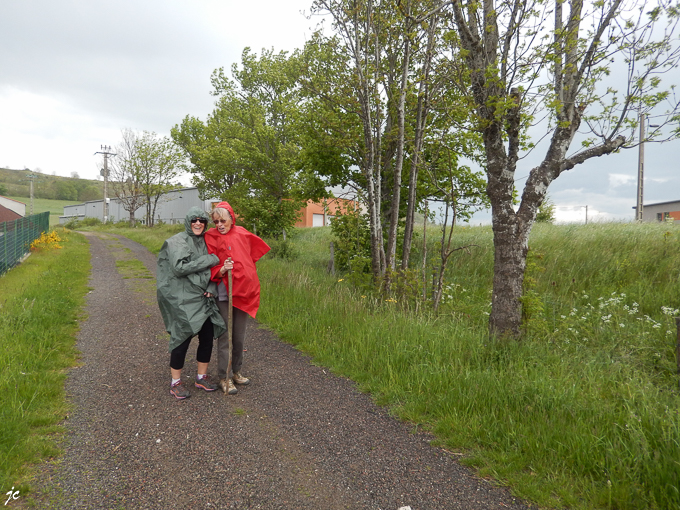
{"x":582,"y":413}
{"x":40,"y":302}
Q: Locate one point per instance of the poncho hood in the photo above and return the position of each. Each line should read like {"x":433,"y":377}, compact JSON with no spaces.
{"x":225,"y":205}
{"x":195,"y":212}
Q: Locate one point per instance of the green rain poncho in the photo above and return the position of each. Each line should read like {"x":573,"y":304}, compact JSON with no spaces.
{"x":182,"y":278}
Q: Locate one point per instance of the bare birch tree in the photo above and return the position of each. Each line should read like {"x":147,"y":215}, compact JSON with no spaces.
{"x":124,"y":175}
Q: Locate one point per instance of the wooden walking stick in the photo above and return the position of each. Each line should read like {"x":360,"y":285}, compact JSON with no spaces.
{"x":230,"y":325}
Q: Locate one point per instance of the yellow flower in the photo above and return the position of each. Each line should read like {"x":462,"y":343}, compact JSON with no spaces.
{"x":341,"y":279}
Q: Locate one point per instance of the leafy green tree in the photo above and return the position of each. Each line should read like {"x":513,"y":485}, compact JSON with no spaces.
{"x":3,"y":189}
{"x":594,"y":67}
{"x":379,"y":82}
{"x":248,"y":151}
{"x":65,"y":189}
{"x":88,"y":191}
{"x":144,"y":170}
{"x":459,"y":189}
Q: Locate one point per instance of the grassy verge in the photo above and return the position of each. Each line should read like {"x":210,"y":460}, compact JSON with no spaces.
{"x":39,"y":306}
{"x":583,"y":413}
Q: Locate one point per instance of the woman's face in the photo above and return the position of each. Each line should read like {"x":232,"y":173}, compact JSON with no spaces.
{"x":198,"y":225}
{"x":223,"y":225}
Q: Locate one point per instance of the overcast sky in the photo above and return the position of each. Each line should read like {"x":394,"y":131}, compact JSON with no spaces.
{"x":76,"y":72}
{"x":73,"y":73}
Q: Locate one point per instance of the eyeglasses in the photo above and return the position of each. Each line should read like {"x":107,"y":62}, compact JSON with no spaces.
{"x":200,"y":220}
{"x":221,"y":221}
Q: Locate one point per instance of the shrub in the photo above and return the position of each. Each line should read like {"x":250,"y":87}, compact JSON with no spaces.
{"x":352,"y":239}
{"x":90,"y":222}
{"x":282,"y":249}
{"x":46,"y":241}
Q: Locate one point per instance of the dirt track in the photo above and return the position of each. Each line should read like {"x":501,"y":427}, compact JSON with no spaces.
{"x":297,"y":438}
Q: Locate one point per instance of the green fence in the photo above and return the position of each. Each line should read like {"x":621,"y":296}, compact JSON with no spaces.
{"x":16,"y":237}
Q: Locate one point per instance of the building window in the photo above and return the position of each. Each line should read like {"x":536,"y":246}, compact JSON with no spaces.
{"x":659,"y":216}
{"x":317,"y":220}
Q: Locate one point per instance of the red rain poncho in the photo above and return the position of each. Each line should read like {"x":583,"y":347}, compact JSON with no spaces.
{"x":244,"y":248}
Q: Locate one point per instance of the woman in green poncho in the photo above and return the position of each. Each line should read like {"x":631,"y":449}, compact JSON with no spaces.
{"x":186,"y":299}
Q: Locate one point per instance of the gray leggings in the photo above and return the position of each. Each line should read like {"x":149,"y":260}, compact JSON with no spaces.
{"x":239,"y":318}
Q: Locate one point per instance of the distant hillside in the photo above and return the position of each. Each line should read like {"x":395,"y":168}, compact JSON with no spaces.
{"x":51,"y":187}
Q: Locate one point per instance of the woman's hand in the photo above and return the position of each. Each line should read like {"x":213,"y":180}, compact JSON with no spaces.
{"x":228,"y":264}
{"x":208,"y":294}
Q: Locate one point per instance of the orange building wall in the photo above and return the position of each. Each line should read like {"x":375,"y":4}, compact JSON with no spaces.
{"x":333,"y":207}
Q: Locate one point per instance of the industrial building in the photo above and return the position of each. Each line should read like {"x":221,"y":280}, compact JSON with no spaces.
{"x":661,"y":211}
{"x":171,"y":208}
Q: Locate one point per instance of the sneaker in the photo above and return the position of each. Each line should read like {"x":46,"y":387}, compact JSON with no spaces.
{"x":206,"y":384}
{"x":239,"y":379}
{"x":178,"y":391}
{"x":228,"y":387}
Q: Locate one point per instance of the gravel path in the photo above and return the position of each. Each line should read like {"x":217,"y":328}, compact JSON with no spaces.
{"x":297,"y":438}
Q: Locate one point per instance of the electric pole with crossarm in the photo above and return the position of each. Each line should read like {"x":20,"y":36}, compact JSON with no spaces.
{"x":105,"y":172}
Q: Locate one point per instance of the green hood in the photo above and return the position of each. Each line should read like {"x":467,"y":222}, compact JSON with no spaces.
{"x":195,"y":212}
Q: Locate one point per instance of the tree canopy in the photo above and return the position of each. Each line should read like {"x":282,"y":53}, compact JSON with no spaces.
{"x":248,"y":151}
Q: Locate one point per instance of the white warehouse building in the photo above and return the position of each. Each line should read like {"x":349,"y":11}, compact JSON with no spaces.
{"x":172,"y":208}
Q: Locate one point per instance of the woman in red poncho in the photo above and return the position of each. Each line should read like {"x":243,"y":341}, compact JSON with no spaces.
{"x":245,"y":248}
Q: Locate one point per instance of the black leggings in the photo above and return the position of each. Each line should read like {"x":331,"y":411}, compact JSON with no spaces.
{"x":205,"y":345}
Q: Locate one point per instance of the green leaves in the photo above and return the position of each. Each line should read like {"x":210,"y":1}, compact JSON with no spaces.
{"x":249,"y":149}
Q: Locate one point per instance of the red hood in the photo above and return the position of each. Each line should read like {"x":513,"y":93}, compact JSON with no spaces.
{"x":225,"y":205}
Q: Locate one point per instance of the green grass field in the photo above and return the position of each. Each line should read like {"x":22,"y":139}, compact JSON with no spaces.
{"x":582,"y":413}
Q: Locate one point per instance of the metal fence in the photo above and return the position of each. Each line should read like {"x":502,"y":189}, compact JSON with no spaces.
{"x":16,"y":237}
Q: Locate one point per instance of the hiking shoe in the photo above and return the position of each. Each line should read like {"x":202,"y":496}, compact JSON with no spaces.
{"x":228,"y":387}
{"x":178,"y":391}
{"x":205,"y":384}
{"x":239,"y":379}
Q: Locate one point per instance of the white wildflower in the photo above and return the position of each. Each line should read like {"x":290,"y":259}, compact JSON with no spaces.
{"x":671,"y":312}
